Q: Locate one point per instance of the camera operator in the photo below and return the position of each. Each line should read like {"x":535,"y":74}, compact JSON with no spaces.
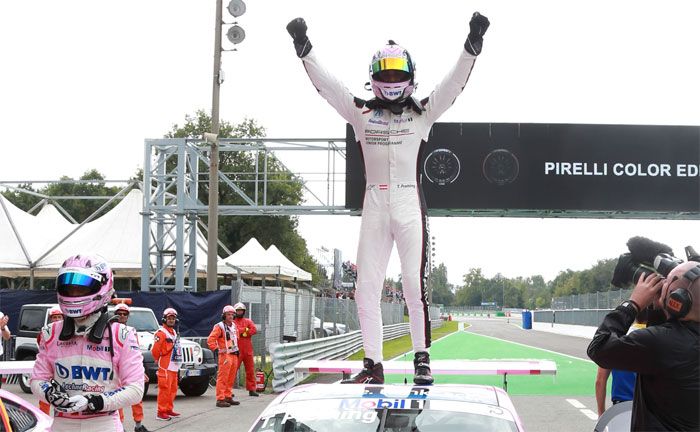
{"x":666,"y":356}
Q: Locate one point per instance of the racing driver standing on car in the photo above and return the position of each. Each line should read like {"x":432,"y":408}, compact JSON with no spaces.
{"x":88,"y":367}
{"x":391,"y":130}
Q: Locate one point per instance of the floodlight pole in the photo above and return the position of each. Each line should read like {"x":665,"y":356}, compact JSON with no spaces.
{"x":213,"y":210}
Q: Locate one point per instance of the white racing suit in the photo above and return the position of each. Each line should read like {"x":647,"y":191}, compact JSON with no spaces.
{"x":393,"y":207}
{"x":83,"y":367}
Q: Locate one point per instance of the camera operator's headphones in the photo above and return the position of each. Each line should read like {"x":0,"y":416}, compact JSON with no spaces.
{"x":679,"y":302}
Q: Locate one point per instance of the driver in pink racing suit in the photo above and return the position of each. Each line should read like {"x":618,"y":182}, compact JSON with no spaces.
{"x":391,"y":130}
{"x":87,"y":367}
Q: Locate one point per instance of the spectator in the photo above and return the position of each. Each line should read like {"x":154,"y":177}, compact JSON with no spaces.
{"x":246,"y":330}
{"x":664,"y":356}
{"x":122,"y":312}
{"x":167,"y":354}
{"x":224,"y":339}
{"x":5,"y":331}
{"x":622,"y":387}
{"x":621,"y":390}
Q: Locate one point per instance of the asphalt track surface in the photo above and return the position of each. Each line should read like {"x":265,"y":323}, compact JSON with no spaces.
{"x":571,"y":413}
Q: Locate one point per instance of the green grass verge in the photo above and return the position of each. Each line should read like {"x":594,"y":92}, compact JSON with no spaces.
{"x":396,"y":347}
{"x":574,"y":376}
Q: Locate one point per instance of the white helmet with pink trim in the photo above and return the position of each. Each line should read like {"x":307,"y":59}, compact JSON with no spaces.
{"x":84,"y":285}
{"x":54,"y":311}
{"x":122,"y":307}
{"x":229,"y":308}
{"x":392,"y":73}
{"x":169,"y":311}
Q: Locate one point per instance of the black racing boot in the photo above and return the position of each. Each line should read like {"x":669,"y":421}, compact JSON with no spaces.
{"x":421,"y":363}
{"x":371,"y":374}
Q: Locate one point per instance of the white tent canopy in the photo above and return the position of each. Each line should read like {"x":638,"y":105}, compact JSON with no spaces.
{"x":284,"y":263}
{"x":254,"y":261}
{"x":24,"y":237}
{"x":116,"y":236}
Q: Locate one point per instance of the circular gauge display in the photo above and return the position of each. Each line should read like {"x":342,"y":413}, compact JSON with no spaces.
{"x":501,"y":167}
{"x":441,"y":167}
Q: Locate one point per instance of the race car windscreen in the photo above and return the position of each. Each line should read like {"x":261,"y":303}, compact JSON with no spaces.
{"x":385,"y":415}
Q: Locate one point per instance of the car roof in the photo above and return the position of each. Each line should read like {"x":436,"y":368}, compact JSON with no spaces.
{"x":450,"y":397}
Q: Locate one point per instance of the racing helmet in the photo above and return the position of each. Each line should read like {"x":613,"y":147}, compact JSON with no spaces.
{"x":392,"y":73}
{"x":85,"y":284}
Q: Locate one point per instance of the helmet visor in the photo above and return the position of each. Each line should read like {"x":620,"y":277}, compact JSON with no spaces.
{"x":78,"y":284}
{"x":391,"y":63}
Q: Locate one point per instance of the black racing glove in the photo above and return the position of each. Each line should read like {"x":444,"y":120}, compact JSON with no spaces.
{"x":297,"y":30}
{"x":95,"y":403}
{"x":477,"y":27}
{"x":56,"y":395}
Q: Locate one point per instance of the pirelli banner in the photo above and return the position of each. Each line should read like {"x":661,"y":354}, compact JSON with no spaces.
{"x":508,"y":167}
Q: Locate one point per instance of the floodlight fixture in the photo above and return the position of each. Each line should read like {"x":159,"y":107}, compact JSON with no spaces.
{"x":235,"y":34}
{"x":236,"y":8}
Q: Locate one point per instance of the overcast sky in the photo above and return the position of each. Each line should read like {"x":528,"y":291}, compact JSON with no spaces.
{"x":84,"y":82}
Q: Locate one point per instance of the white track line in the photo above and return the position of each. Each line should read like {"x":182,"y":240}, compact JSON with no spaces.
{"x":530,"y":346}
{"x":576,"y":403}
{"x":582,"y":408}
{"x":433,"y":343}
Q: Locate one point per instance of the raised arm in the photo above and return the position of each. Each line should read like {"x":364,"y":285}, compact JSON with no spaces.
{"x":452,"y":85}
{"x":332,"y":90}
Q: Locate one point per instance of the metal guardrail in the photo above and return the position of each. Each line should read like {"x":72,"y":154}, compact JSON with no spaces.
{"x":285,"y":356}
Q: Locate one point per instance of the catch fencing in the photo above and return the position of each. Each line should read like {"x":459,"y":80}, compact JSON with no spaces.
{"x":596,"y":300}
{"x":284,"y":315}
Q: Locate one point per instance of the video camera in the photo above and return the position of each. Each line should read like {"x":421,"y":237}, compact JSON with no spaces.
{"x":647,"y":256}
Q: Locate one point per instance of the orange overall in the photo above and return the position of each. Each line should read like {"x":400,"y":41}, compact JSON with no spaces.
{"x":246,"y":329}
{"x":167,"y":358}
{"x":136,"y":411}
{"x":223,"y":338}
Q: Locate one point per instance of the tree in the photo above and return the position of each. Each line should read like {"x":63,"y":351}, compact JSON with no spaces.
{"x":471,"y":293}
{"x":441,"y":288}
{"x":283,"y":188}
{"x":92,"y":185}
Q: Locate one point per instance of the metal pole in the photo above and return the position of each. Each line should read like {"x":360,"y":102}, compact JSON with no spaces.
{"x":213,"y":214}
{"x":263,"y":301}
